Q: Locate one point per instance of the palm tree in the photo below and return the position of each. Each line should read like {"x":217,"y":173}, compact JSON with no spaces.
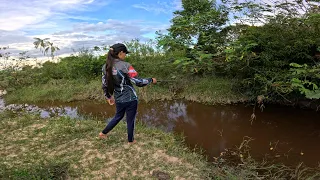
{"x":45,"y":45}
{"x":41,"y":44}
{"x":52,"y":49}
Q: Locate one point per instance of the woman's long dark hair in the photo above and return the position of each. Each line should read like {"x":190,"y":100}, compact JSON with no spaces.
{"x":109,"y":65}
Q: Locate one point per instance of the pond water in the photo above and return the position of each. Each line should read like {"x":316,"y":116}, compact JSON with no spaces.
{"x":284,"y":134}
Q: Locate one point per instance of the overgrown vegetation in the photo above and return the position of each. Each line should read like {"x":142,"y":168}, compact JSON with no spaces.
{"x":272,"y":49}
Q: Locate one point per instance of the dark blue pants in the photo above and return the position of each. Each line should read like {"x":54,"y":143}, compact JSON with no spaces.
{"x":130,"y":108}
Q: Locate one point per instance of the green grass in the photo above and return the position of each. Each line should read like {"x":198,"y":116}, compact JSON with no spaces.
{"x":212,"y":90}
{"x":204,"y":90}
{"x":61,"y":90}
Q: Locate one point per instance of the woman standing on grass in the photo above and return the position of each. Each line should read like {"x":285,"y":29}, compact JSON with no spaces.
{"x":117,"y":79}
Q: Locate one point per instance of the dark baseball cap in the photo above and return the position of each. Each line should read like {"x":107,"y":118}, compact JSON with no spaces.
{"x":120,"y":47}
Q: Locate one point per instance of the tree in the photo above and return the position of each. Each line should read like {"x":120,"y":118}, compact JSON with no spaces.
{"x":52,"y":49}
{"x":41,"y":44}
{"x":96,"y":48}
{"x":200,"y":21}
{"x":45,"y":45}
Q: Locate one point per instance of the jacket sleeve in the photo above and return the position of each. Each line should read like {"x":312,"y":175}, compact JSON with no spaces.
{"x":140,"y":82}
{"x":105,"y":83}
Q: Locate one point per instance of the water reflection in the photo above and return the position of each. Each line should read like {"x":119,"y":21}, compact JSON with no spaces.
{"x":71,"y":112}
{"x":165,"y":115}
{"x":287,"y":131}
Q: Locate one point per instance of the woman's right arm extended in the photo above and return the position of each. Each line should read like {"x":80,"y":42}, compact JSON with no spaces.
{"x":140,"y":82}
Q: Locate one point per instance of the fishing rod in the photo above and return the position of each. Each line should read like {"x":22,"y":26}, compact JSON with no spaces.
{"x":160,"y":81}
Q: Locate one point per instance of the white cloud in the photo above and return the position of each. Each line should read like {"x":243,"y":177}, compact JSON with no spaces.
{"x":9,"y":37}
{"x":124,"y":28}
{"x":83,"y":35}
{"x":177,"y":4}
{"x":16,"y":14}
{"x":160,"y":7}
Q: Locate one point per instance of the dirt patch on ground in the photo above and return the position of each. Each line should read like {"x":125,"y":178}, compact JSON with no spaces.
{"x":37,"y":126}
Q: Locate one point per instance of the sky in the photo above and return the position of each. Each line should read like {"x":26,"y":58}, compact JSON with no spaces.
{"x":75,"y":24}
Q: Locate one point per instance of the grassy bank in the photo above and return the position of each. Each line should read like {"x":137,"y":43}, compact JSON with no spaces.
{"x":63,"y":148}
{"x":204,"y":90}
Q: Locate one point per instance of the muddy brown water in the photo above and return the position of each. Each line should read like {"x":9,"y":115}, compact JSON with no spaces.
{"x":283,"y":134}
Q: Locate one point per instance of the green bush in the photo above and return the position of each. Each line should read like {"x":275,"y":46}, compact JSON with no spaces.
{"x":85,"y":65}
{"x":261,"y":56}
{"x":82,"y":66}
{"x":149,"y":61}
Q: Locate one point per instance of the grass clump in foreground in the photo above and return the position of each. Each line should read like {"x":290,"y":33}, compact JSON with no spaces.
{"x":62,"y":148}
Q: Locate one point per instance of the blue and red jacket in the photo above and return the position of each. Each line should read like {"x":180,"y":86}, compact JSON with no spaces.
{"x":124,"y":75}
